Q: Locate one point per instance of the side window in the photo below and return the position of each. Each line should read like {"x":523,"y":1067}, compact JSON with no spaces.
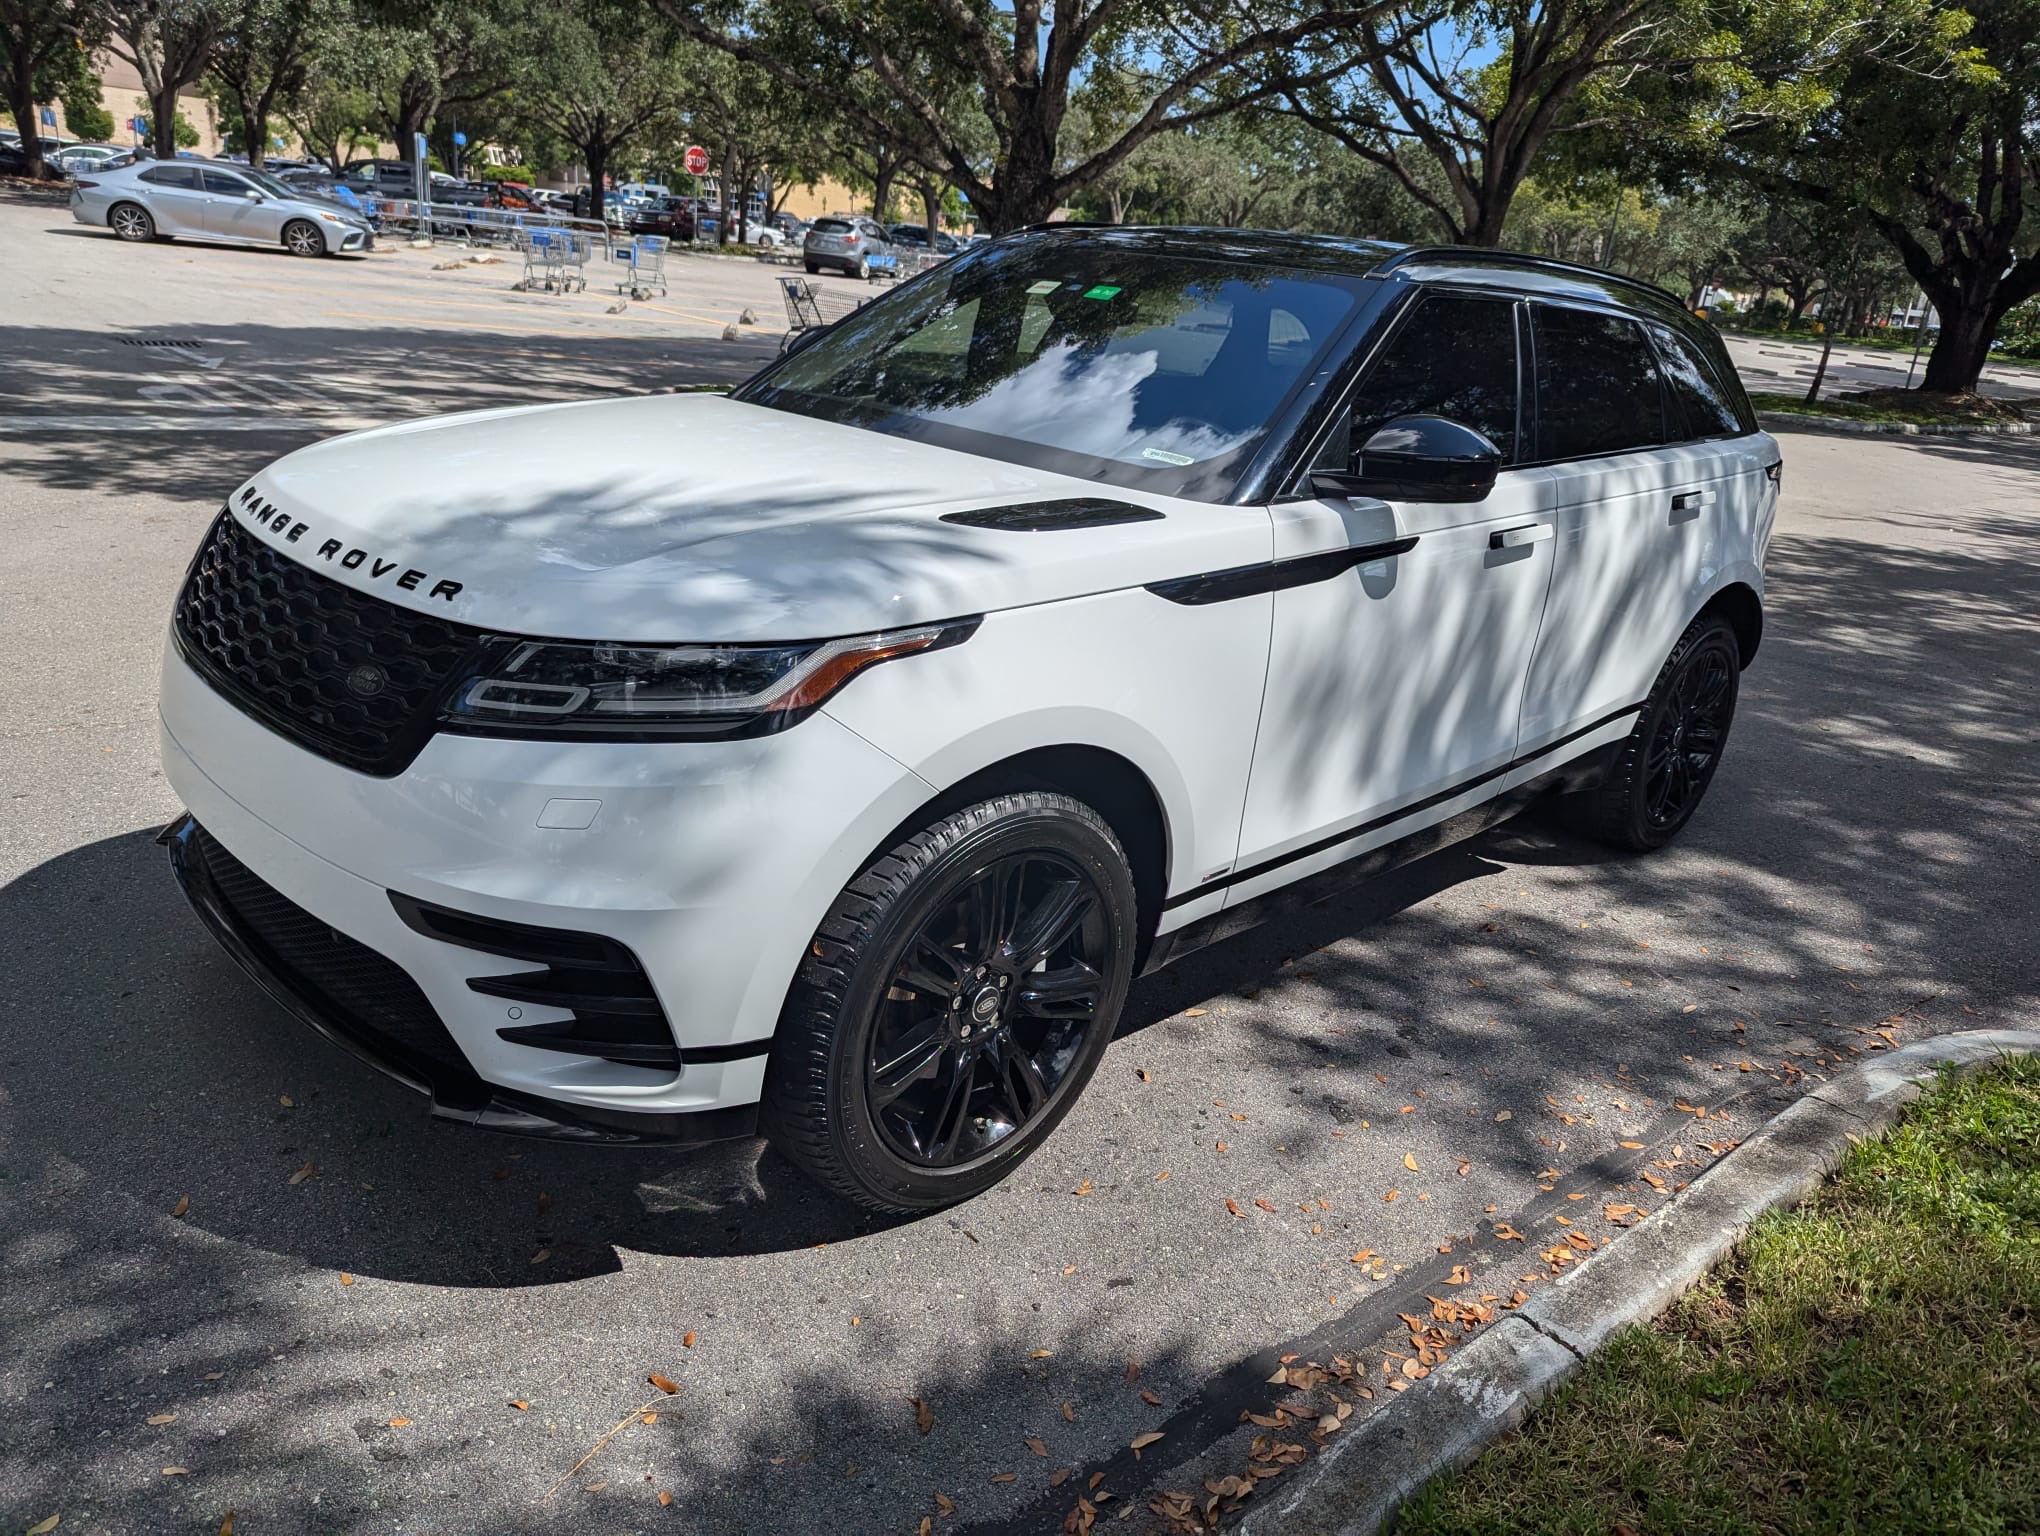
{"x":1710,"y":411}
{"x":1597,"y":384}
{"x":173,"y":176}
{"x":1455,"y":357}
{"x":225,"y":184}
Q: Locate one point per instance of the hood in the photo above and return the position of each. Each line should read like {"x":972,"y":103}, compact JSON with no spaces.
{"x":697,"y":518}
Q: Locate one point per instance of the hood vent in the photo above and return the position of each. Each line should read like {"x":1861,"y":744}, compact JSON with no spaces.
{"x":1054,"y":516}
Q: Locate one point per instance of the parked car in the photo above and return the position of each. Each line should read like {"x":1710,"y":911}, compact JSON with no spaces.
{"x":207,"y":200}
{"x":791,"y":226}
{"x":323,"y":184}
{"x":14,"y":162}
{"x":1241,"y":567}
{"x":849,"y":244}
{"x":399,"y":179}
{"x":80,"y":158}
{"x":914,"y":237}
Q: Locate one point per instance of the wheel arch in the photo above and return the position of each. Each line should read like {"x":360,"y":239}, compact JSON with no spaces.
{"x":1739,"y":603}
{"x":1111,"y":784}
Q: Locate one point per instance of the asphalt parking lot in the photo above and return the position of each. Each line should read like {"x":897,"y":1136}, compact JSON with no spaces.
{"x":430,"y":1329}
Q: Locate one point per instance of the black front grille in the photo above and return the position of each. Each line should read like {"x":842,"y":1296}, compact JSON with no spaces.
{"x":374,"y":995}
{"x":348,"y":676}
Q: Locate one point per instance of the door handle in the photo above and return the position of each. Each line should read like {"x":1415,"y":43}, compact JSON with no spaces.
{"x":1691,"y":501}
{"x":1516,"y":538}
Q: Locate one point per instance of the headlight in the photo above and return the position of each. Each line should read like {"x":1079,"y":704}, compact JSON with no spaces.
{"x":641,"y":692}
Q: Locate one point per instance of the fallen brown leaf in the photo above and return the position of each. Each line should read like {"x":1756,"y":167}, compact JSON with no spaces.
{"x":1265,"y":1205}
{"x":227,"y":1525}
{"x":1634,"y":1146}
{"x":924,"y":1416}
{"x":665,"y":1384}
{"x":1460,"y":1275}
{"x":945,"y":1504}
{"x":666,"y":1498}
{"x":398,"y":1423}
{"x":1390,"y":1196}
{"x":1041,"y":1354}
{"x":44,"y":1527}
{"x":1004,"y":1477}
{"x":183,"y":1204}
{"x":687,"y":1339}
{"x":310,"y":1170}
{"x":1036,"y":1445}
{"x":520,"y":1405}
{"x":1232,"y":1207}
{"x":1069,"y":1414}
{"x":1409,"y":1161}
{"x":1145,"y":1439}
{"x":162,"y":1418}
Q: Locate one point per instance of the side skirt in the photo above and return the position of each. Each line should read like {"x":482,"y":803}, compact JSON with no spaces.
{"x":1581,"y":773}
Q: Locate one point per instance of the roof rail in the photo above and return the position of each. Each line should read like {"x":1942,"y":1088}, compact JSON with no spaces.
{"x":1476,"y":254}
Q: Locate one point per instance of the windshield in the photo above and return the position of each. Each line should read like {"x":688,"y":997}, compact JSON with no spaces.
{"x":267,"y":182}
{"x":1136,"y":367}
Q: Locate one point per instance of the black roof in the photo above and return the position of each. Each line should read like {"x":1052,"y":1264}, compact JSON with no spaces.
{"x":1475,"y":266}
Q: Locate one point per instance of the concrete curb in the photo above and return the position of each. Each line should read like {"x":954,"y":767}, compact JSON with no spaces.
{"x":1355,"y":1486}
{"x":1795,"y":420}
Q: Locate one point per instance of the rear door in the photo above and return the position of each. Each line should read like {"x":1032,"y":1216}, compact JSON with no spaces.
{"x":1398,"y":657}
{"x":1636,"y":501}
{"x":176,"y":198}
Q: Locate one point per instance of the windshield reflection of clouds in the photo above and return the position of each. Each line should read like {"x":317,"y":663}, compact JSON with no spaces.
{"x":1074,"y":400}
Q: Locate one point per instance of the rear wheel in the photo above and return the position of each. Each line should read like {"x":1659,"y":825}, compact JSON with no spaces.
{"x":953,"y":1004}
{"x":301,"y":237}
{"x":131,"y":222}
{"x":1662,"y":771}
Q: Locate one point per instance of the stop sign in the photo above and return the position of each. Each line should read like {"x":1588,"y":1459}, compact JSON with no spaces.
{"x":696,"y":160}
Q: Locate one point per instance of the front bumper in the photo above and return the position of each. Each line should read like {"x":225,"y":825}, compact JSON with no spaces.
{"x":711,"y":863}
{"x":402,"y":1040}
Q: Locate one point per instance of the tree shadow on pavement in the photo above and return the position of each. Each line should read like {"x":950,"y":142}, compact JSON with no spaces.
{"x":1864,"y":861}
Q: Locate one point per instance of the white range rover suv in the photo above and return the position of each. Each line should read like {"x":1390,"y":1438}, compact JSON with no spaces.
{"x":1077,"y":603}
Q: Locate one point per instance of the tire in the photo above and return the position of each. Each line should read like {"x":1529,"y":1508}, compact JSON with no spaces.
{"x":863,"y":272}
{"x":131,"y":221}
{"x":901,"y":1103}
{"x":812,"y":269}
{"x":301,"y":237}
{"x":1661,"y":772}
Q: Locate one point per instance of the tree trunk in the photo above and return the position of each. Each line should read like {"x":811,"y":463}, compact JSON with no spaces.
{"x":931,"y":206}
{"x":21,"y":102}
{"x":1960,"y":352}
{"x":596,"y":154}
{"x":163,"y":121}
{"x":881,"y":190}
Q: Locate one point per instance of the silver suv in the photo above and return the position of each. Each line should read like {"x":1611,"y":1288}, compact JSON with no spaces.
{"x":857,"y":246}
{"x":205,"y":200}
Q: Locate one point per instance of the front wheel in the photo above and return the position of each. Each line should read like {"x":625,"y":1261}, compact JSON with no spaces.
{"x":953,"y":1004}
{"x":1661,"y":772}
{"x":301,"y":237}
{"x":131,"y":223}
{"x":864,"y":269}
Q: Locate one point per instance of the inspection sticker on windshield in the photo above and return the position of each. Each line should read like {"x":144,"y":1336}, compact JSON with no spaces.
{"x":1162,"y":453}
{"x":1046,"y":285}
{"x":1102,"y":291}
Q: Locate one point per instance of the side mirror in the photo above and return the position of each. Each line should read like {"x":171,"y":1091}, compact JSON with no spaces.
{"x":1417,"y":458}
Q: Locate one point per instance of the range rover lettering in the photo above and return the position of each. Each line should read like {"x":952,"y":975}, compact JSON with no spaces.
{"x":1082,"y":601}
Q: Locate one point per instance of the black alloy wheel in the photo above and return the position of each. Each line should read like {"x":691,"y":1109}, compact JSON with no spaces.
{"x":953,"y":1003}
{"x":1660,"y":773}
{"x":1692,"y":728}
{"x":987,"y":1009}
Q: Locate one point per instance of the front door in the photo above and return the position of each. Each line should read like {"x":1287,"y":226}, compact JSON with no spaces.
{"x":237,"y":210}
{"x":1396,"y":680}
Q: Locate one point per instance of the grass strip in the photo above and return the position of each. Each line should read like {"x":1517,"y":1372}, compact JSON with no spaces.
{"x":1869,"y":1362}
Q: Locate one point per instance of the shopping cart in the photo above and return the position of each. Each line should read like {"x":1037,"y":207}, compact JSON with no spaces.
{"x":548,"y":257}
{"x":809,"y":308}
{"x":646,"y":255}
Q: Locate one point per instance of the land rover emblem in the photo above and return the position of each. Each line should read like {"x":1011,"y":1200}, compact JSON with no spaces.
{"x":367,"y":680}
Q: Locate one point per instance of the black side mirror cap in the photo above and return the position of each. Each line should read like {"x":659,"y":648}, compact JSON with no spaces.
{"x":1417,"y":458}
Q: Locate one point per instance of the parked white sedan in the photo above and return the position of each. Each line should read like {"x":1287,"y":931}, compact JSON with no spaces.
{"x":1077,"y":603}
{"x":208,"y":200}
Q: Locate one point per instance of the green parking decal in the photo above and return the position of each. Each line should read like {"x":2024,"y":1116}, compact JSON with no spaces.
{"x":1102,"y":291}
